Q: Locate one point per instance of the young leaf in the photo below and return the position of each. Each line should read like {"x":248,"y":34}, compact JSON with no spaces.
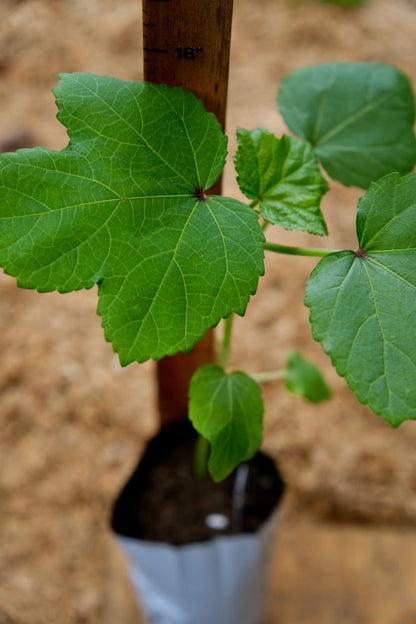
{"x":304,"y":379}
{"x":123,"y":206}
{"x":228,"y":411}
{"x":358,"y":116}
{"x":363,"y":304}
{"x":283,"y":176}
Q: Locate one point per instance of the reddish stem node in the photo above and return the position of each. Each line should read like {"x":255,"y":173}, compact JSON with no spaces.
{"x":200,"y":195}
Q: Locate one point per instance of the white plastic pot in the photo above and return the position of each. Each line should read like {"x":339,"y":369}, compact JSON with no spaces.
{"x":218,"y":581}
{"x":222,"y":581}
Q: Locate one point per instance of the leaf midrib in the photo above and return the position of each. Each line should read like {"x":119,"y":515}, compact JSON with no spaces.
{"x":367,"y":244}
{"x":346,"y":122}
{"x":118,"y":200}
{"x":390,"y":271}
{"x":172,"y":261}
{"x":138,"y":134}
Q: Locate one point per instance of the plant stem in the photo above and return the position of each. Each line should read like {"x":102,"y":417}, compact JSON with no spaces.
{"x":202,"y":448}
{"x":298,"y":251}
{"x":226,"y":342}
{"x":269,"y":375}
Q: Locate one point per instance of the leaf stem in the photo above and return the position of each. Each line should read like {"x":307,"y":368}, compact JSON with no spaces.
{"x":225,"y":346}
{"x":297,"y":251}
{"x":269,"y":375}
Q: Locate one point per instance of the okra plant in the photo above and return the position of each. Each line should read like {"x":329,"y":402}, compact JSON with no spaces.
{"x":126,"y":208}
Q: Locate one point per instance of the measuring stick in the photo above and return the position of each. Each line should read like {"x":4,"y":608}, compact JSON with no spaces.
{"x":186,"y":43}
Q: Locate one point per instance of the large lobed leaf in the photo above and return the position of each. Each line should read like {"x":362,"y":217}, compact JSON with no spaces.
{"x":122,"y":206}
{"x":227,"y":409}
{"x":358,"y":116}
{"x":363,"y":304}
{"x":283,"y":177}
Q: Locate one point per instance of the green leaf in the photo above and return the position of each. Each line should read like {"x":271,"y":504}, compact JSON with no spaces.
{"x":227,"y":409}
{"x":304,"y":379}
{"x":283,"y":176}
{"x":358,"y":116}
{"x":123,"y":207}
{"x":363,"y":304}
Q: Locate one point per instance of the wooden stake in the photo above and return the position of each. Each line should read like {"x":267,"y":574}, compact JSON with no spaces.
{"x":186,"y":43}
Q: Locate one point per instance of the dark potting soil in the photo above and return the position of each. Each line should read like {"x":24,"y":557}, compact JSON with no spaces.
{"x":164,"y":501}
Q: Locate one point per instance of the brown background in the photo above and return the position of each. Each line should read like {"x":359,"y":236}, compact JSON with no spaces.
{"x":73,"y":422}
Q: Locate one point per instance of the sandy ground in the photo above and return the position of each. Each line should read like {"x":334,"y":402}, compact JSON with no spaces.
{"x":72,"y":421}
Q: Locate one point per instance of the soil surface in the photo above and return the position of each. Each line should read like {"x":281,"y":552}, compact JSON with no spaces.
{"x":155,"y":503}
{"x":73,"y":422}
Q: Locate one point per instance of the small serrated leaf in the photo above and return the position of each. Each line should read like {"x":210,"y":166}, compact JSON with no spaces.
{"x":363,"y":304}
{"x":304,"y":379}
{"x":283,"y":176}
{"x":358,"y":116}
{"x":227,"y":410}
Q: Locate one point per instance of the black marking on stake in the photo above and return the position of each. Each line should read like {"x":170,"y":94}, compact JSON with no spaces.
{"x":157,"y":50}
{"x":189,"y":52}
